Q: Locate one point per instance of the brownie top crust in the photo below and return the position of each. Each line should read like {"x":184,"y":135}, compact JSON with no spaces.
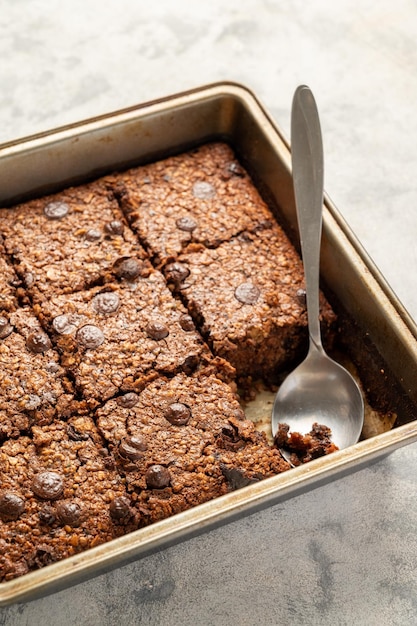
{"x":69,"y":241}
{"x":203,"y":196}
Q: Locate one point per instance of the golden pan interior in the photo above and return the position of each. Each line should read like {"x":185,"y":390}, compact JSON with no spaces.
{"x":382,"y":338}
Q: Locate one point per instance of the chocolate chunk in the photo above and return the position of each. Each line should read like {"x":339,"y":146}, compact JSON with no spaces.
{"x":93,"y":234}
{"x":236,"y":478}
{"x":301,"y":297}
{"x":128,"y":268}
{"x":48,"y":485}
{"x":38,"y":342}
{"x":190,"y":364}
{"x":157,"y":330}
{"x":11,"y":506}
{"x":120,"y":509}
{"x":178,"y":414}
{"x":247,"y":293}
{"x":236,"y":169}
{"x":42,"y":556}
{"x":176,"y":273}
{"x":186,"y":323}
{"x":63,"y":325}
{"x":128,"y":400}
{"x":90,"y":337}
{"x":5,"y":328}
{"x":75,"y":434}
{"x":56,"y":210}
{"x":47,"y":515}
{"x":203,"y":190}
{"x":188,"y":224}
{"x":229,"y":438}
{"x":115,"y":227}
{"x":132,"y":447}
{"x":69,"y":513}
{"x":157,"y":477}
{"x":106,"y":303}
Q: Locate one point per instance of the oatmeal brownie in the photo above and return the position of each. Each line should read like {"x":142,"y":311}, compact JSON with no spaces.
{"x":34,"y":388}
{"x":59,"y":495}
{"x":68,"y":241}
{"x":247,"y":297}
{"x":183,"y":441}
{"x":115,"y":338}
{"x":200,"y":196}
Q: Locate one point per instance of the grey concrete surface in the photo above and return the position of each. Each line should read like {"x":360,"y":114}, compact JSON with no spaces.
{"x":344,"y":553}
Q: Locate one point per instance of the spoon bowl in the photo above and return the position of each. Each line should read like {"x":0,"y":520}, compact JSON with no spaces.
{"x":319,"y":389}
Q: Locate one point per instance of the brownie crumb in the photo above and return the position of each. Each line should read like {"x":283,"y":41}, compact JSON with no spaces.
{"x":305,"y":448}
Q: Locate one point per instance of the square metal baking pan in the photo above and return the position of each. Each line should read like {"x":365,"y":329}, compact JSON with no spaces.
{"x":382,"y":338}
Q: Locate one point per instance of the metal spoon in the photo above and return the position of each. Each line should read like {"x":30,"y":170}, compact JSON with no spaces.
{"x":319,"y":390}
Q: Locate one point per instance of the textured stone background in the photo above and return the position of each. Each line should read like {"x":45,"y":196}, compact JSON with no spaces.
{"x":344,"y":553}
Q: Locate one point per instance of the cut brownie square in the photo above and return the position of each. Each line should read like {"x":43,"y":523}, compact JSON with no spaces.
{"x":247,"y":298}
{"x":115,"y":338}
{"x":68,"y":241}
{"x":34,"y":388}
{"x":59,"y":495}
{"x":183,"y":441}
{"x":202,"y":196}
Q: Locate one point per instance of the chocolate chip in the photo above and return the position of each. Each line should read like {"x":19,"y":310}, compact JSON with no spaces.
{"x":128,"y":400}
{"x":120,"y":509}
{"x":176,"y":273}
{"x":132,"y":447}
{"x":178,"y":414}
{"x":47,"y":515}
{"x":56,"y":210}
{"x":188,"y":224}
{"x":106,"y":303}
{"x":115,"y":227}
{"x":93,"y":234}
{"x":247,"y":293}
{"x":63,"y":325}
{"x":5,"y":328}
{"x":48,"y":485}
{"x":203,"y":190}
{"x":11,"y":506}
{"x":157,"y":477}
{"x":128,"y":268}
{"x":38,"y":342}
{"x":157,"y":330}
{"x":90,"y":336}
{"x":69,"y":513}
{"x":186,"y":323}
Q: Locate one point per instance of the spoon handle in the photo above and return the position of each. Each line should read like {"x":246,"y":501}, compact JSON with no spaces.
{"x":308,"y":174}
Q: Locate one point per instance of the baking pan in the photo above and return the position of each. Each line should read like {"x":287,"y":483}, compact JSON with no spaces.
{"x":380,"y":338}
